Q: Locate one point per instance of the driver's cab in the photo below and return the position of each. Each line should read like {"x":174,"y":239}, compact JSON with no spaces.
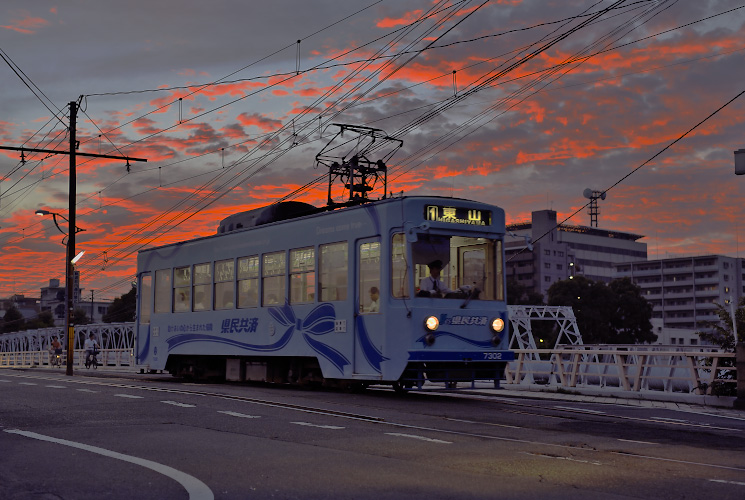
{"x":464,"y":267}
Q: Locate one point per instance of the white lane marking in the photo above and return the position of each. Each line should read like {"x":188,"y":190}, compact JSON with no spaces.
{"x":130,"y":396}
{"x":672,"y":460}
{"x":583,"y":410}
{"x":671,"y":420}
{"x":634,"y":441}
{"x":569,"y":459}
{"x":56,"y":386}
{"x":421,"y":438}
{"x":236,"y":414}
{"x":27,"y":383}
{"x":308,"y":424}
{"x":196,"y":489}
{"x":182,"y":405}
{"x":738,"y":483}
{"x":7,"y":381}
{"x":85,"y":390}
{"x":483,"y":423}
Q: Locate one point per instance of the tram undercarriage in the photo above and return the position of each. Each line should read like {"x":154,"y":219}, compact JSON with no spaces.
{"x":305,"y":371}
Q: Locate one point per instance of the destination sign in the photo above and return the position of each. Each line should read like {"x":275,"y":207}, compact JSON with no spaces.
{"x":457,"y":215}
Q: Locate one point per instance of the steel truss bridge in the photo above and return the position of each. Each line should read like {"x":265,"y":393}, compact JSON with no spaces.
{"x":648,"y":371}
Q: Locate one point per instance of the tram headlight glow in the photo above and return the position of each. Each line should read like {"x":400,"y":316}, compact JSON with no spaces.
{"x":431,"y":323}
{"x":497,"y":325}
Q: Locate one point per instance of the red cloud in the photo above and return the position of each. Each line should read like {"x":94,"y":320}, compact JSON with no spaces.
{"x":257,"y":120}
{"x":407,"y":18}
{"x":26,"y":24}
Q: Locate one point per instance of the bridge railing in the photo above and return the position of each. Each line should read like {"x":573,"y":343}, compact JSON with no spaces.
{"x":635,"y":368}
{"x":628,"y":368}
{"x":107,"y":358}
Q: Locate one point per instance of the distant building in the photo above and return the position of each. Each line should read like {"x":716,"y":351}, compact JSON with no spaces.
{"x":675,"y":337}
{"x":564,"y":251}
{"x":28,"y":306}
{"x":53,"y":299}
{"x":684,"y":291}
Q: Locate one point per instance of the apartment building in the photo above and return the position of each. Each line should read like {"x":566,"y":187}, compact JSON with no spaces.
{"x":684,"y":291}
{"x":560,"y":251}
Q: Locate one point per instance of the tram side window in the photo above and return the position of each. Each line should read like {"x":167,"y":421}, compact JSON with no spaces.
{"x":146,"y":298}
{"x":399,"y":267}
{"x":203,"y":287}
{"x":248,"y":282}
{"x":182,"y":289}
{"x":224,"y":284}
{"x":163,"y":289}
{"x":370,"y":277}
{"x":302,"y":275}
{"x":333,"y":268}
{"x":274,"y":267}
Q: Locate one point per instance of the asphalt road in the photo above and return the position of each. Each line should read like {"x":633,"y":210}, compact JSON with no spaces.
{"x":102,"y":436}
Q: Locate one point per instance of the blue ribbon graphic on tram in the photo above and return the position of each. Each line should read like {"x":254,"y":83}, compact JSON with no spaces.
{"x":371,"y":352}
{"x":185,"y":338}
{"x":319,"y":321}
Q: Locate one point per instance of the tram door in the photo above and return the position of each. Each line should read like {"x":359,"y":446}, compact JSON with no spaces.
{"x":369,"y":325}
{"x":144,"y":308}
{"x":472,"y":262}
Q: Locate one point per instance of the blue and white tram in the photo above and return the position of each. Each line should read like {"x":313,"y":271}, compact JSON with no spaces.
{"x":292,"y":294}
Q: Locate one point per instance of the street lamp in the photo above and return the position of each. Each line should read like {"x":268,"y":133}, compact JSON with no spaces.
{"x":69,"y":280}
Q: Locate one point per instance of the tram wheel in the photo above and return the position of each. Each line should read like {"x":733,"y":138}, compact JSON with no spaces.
{"x":399,"y":388}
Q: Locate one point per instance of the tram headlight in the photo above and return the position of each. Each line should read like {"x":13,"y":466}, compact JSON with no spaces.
{"x":497,"y":325}
{"x":431,"y":323}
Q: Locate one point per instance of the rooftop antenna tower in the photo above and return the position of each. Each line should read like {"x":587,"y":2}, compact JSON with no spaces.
{"x":593,"y":209}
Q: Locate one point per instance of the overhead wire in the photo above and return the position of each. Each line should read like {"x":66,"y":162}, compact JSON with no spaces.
{"x":577,"y":59}
{"x":310,"y":121}
{"x":634,"y":170}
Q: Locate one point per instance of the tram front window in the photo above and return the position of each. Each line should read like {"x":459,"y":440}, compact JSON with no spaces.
{"x":457,"y":267}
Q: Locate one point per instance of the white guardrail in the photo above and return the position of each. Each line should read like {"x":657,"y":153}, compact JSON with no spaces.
{"x":639,"y":369}
{"x":107,"y":358}
{"x":643,"y":369}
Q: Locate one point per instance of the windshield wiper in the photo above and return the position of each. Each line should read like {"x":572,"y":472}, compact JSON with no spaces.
{"x":472,"y":294}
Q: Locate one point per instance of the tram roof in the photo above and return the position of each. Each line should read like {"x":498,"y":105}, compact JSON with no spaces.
{"x":294,"y":210}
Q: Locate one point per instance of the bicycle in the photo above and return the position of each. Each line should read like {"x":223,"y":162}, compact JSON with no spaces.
{"x":91,"y":359}
{"x":56,"y":357}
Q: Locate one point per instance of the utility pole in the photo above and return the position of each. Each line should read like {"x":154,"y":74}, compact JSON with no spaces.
{"x":69,"y":266}
{"x":72,"y":228}
{"x":92,"y":321}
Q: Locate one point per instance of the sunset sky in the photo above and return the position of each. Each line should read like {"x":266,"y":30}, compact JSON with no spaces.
{"x":519,"y":103}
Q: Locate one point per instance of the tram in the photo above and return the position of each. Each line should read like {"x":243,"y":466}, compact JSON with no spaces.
{"x":291,"y":293}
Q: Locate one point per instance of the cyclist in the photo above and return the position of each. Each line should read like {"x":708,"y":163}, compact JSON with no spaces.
{"x":55,"y":350}
{"x":91,"y":349}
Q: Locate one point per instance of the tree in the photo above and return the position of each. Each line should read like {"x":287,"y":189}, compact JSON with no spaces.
{"x":630,"y":320}
{"x":722,"y":333}
{"x":13,"y":320}
{"x":44,"y":319}
{"x":606,"y":314}
{"x":80,"y":317}
{"x":518,"y":294}
{"x":123,"y":309}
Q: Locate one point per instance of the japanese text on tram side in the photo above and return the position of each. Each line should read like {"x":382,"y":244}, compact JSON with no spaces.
{"x":240,"y":325}
{"x":467,"y":320}
{"x":204,"y":327}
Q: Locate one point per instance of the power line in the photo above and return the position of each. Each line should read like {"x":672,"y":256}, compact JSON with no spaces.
{"x":671,"y":144}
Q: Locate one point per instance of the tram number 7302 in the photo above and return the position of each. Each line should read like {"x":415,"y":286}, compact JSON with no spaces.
{"x":493,"y":355}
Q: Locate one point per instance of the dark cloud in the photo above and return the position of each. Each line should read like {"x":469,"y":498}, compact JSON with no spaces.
{"x":518,"y":142}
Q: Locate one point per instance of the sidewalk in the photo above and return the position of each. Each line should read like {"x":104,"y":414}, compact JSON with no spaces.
{"x":715,"y":405}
